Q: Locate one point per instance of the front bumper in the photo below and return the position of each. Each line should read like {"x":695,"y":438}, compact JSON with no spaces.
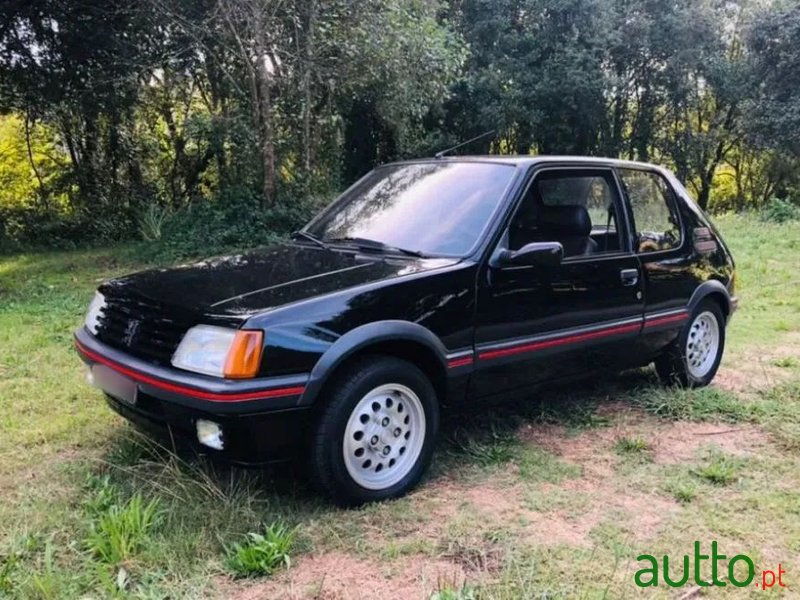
{"x":262,"y":420}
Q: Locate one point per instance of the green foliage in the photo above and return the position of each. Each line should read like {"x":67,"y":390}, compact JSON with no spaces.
{"x":143,"y":109}
{"x":232,"y":221}
{"x":780,"y":211}
{"x":118,"y":121}
{"x":261,"y":554}
{"x":774,"y":113}
{"x":122,"y":530}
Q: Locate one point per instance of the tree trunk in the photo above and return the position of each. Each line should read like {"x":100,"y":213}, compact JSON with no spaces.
{"x":307,"y":99}
{"x":34,"y":168}
{"x":263,"y":77}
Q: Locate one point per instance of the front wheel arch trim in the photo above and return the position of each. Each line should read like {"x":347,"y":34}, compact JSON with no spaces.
{"x":361,"y":338}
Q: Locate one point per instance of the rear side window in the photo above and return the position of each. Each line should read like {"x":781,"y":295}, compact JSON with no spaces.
{"x":655,"y":216}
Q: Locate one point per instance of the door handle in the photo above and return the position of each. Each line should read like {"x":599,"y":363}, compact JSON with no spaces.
{"x":629,"y":276}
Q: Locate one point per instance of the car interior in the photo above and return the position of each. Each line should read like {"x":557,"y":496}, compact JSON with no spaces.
{"x":576,"y":208}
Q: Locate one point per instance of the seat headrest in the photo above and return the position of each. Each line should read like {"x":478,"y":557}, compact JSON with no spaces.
{"x":571,"y":219}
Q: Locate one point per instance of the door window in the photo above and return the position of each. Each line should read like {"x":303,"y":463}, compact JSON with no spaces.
{"x":576,"y":207}
{"x":655,"y":216}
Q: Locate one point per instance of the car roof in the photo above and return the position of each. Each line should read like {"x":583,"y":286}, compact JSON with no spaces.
{"x":528,"y":160}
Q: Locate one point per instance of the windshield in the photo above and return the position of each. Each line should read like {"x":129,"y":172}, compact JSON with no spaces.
{"x":432,"y":208}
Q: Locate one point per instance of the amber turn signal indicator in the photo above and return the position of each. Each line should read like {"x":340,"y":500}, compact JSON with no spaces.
{"x":244,"y":357}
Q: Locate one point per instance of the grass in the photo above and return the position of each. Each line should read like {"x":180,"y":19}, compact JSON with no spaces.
{"x":261,"y":554}
{"x":89,"y":509}
{"x":704,"y":404}
{"x":719,"y":470}
{"x":631,"y":446}
{"x":121,"y":531}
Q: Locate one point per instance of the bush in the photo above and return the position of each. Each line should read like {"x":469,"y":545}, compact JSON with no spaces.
{"x":25,"y":227}
{"x":231,"y":221}
{"x":780,"y":211}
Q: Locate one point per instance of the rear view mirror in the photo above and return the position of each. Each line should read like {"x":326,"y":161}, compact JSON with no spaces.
{"x":539,"y":254}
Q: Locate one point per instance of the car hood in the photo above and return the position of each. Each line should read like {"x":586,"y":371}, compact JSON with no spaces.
{"x":256,"y":281}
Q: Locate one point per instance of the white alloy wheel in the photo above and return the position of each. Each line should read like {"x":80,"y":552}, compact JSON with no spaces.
{"x":384,"y":436}
{"x":702,"y":344}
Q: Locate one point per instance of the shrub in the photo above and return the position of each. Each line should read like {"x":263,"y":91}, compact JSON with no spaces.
{"x":780,"y":211}
{"x":261,"y":554}
{"x":231,"y":221}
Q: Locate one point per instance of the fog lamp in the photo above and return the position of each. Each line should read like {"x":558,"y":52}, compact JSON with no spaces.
{"x":210,"y":434}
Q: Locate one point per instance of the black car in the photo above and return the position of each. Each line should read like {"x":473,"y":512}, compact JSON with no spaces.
{"x":427,"y":284}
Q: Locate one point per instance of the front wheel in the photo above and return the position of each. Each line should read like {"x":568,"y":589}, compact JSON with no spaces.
{"x":693,"y":359}
{"x":374,"y":437}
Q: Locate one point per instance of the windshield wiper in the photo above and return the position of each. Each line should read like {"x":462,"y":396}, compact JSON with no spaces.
{"x":368,"y":244}
{"x":310,"y":237}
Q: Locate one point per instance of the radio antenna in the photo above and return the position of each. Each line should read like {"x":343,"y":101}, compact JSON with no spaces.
{"x":442,"y":153}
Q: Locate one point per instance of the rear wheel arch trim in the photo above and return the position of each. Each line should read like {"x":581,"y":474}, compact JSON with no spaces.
{"x":362,"y":338}
{"x":709,"y":288}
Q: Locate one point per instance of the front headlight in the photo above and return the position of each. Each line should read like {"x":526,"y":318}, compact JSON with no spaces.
{"x":219,"y":351}
{"x":92,"y":319}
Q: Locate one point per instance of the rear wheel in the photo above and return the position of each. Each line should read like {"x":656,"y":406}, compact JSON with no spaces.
{"x":693,"y":359}
{"x":375,"y":435}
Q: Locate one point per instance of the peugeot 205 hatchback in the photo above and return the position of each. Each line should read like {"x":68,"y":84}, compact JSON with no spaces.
{"x":427,"y":284}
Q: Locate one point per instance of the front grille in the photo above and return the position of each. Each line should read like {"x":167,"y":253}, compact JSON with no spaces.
{"x":141,"y":328}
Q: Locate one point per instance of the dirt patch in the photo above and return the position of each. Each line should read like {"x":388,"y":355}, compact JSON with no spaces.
{"x":756,"y":368}
{"x":639,"y":515}
{"x":553,"y":514}
{"x":338,"y":576}
{"x":678,"y":442}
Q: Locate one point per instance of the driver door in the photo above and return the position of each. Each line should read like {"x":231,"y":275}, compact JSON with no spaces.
{"x":539,"y":323}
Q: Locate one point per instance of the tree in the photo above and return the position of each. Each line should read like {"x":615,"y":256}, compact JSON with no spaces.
{"x":774,"y":114}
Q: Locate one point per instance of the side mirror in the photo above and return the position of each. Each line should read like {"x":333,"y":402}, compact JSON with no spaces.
{"x":538,"y":254}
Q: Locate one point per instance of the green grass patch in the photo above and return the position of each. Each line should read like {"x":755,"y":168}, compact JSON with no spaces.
{"x":704,"y":404}
{"x":632,"y":446}
{"x":684,"y":490}
{"x":786,"y":362}
{"x":496,"y":448}
{"x":122,"y":530}
{"x":261,"y":554}
{"x":538,"y":465}
{"x":464,"y":592}
{"x":720,"y":469}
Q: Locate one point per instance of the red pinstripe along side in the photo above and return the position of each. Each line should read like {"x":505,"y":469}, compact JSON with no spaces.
{"x":570,"y":339}
{"x":188,"y":391}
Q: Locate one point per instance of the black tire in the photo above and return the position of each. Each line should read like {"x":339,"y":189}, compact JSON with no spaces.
{"x":673,"y":365}
{"x":327,"y":468}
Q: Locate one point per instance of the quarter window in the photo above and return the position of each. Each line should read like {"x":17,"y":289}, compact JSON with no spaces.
{"x":654,"y":214}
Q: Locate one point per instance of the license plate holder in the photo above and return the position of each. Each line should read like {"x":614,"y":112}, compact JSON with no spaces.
{"x":112,"y":383}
